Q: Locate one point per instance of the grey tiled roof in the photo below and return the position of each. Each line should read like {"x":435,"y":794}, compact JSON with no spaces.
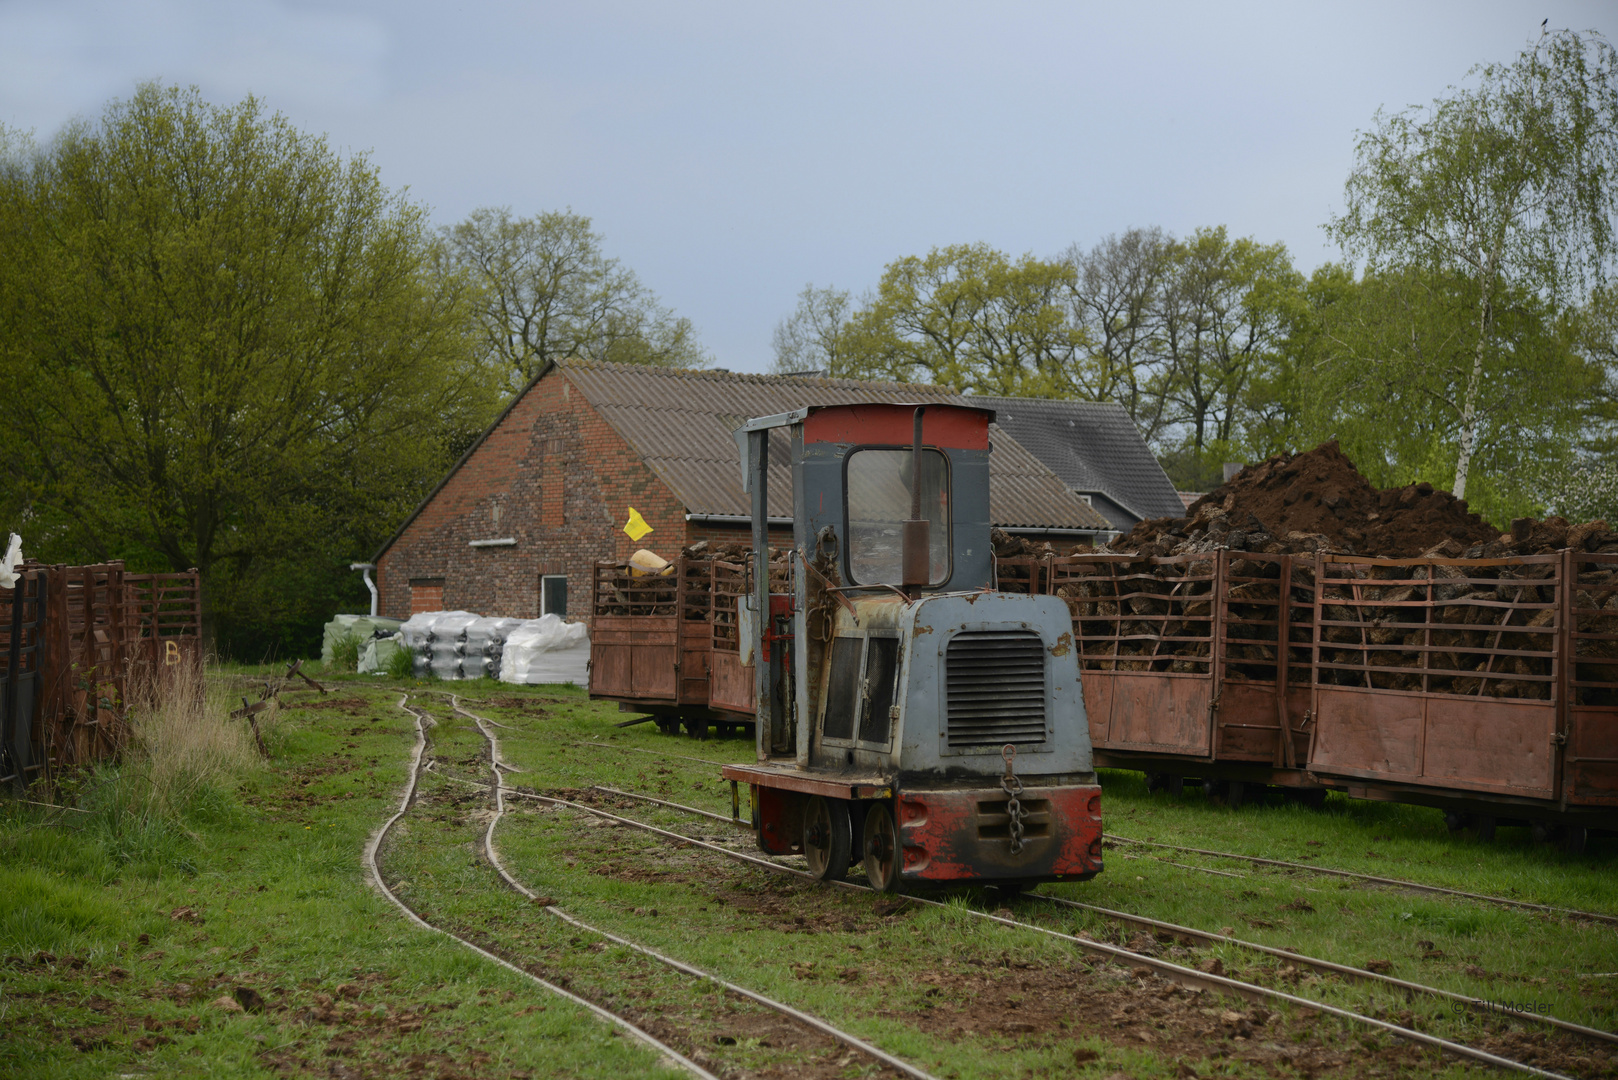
{"x":680,"y":421}
{"x":1094,"y":447}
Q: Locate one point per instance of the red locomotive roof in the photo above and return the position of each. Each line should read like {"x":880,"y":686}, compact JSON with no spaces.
{"x":952,"y":427}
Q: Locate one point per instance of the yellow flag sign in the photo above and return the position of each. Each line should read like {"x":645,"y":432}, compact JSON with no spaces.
{"x":637,"y":527}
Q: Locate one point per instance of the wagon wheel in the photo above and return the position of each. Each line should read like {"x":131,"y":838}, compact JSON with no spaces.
{"x":1573,"y":840}
{"x":826,"y":838}
{"x":882,"y":859}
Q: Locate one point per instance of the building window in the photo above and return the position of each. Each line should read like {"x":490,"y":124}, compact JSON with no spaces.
{"x":426,"y":595}
{"x":553,"y":595}
{"x":1087,"y":500}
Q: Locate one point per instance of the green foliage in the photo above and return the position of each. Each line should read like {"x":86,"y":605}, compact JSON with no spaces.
{"x":345,"y":652}
{"x":546,"y":292}
{"x":965,"y":317}
{"x":1391,"y":363}
{"x":1511,"y":185}
{"x":229,"y":349}
{"x":401,"y":663}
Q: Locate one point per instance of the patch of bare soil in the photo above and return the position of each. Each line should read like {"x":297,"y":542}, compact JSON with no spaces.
{"x":529,"y":706}
{"x":353,"y":706}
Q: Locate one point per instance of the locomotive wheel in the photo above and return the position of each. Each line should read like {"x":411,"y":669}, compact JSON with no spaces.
{"x":881,"y":848}
{"x":826,"y":838}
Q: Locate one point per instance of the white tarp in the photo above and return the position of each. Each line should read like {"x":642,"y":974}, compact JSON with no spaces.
{"x":546,"y":650}
{"x":8,"y":567}
{"x":377,"y":652}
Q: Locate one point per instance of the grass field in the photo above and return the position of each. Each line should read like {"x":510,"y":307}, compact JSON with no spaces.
{"x":130,"y":947}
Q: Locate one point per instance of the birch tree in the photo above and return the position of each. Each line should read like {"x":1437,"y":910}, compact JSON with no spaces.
{"x":1512,"y":182}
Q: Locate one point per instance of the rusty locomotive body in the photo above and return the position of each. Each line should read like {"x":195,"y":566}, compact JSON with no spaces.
{"x":908,"y":714}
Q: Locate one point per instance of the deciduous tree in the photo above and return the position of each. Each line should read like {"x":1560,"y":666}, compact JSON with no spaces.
{"x":224,"y":347}
{"x":546,"y":291}
{"x":811,"y":338}
{"x":966,"y":317}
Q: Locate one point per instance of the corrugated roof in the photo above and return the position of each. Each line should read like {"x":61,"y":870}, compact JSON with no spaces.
{"x":1094,"y":447}
{"x":680,"y":421}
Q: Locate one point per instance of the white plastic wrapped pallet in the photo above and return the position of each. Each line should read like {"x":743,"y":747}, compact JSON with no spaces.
{"x":416,"y":636}
{"x":446,"y":644}
{"x":547,"y":650}
{"x":485,"y":640}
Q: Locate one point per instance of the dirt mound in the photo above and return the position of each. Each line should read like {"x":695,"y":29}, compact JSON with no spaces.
{"x":1306,"y":502}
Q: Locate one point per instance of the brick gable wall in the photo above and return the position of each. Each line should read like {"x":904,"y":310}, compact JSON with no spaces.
{"x":562,"y":481}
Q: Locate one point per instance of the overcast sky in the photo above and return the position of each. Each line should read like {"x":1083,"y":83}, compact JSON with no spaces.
{"x":732,"y":153}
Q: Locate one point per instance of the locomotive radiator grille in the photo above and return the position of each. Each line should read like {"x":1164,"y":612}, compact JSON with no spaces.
{"x":995,"y":688}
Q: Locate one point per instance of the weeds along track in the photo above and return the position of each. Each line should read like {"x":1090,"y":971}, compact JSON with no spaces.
{"x":372,"y":863}
{"x":1297,"y":959}
{"x":498,"y":786}
{"x":1184,"y":976}
{"x":1395,"y":883}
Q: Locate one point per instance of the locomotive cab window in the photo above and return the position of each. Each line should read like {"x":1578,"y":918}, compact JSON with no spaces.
{"x":878,"y":494}
{"x":861,"y":691}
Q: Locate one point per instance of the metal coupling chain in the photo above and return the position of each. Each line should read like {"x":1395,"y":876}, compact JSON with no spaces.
{"x":1013,"y":788}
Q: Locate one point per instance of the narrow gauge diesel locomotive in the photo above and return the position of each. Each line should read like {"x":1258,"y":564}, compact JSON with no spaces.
{"x":907,"y":710}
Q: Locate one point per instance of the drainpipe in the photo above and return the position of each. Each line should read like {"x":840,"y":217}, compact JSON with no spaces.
{"x":369,"y":584}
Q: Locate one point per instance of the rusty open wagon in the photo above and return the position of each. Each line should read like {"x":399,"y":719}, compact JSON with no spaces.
{"x":652,"y":640}
{"x":79,"y":645}
{"x":1482,"y":686}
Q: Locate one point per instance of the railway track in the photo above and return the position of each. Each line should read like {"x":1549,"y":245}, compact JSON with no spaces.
{"x":1186,"y":976}
{"x":1299,"y":959}
{"x":372,"y":863}
{"x":1395,"y":883}
{"x":498,"y":786}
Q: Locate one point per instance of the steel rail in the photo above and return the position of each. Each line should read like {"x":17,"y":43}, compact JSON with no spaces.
{"x":499,"y":785}
{"x":372,"y":849}
{"x":1328,"y":965}
{"x":654,"y":753}
{"x":671,"y":805}
{"x":1185,"y":976}
{"x":1393,"y":882}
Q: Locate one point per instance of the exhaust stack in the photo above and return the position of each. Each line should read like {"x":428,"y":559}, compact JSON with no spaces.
{"x":915,"y":552}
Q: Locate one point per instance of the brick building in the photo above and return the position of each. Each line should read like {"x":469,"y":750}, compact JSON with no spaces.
{"x":515,"y":526}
